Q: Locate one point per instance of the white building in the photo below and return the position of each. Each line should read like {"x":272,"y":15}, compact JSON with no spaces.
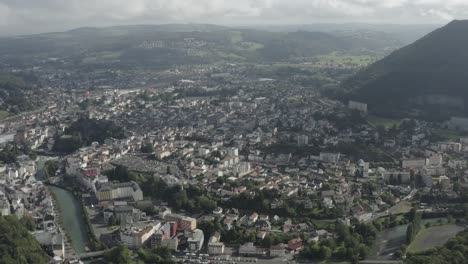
{"x":195,"y":241}
{"x":330,"y":157}
{"x":136,"y":236}
{"x":449,"y":146}
{"x":215,"y":246}
{"x":125,"y":190}
{"x":358,"y":106}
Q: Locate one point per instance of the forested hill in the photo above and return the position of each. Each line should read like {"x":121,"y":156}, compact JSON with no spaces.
{"x":432,"y":72}
{"x":17,"y":245}
{"x":183,"y":44}
{"x":15,"y":92}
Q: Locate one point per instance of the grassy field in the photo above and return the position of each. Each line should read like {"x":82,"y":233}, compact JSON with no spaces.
{"x":401,"y":207}
{"x":335,"y":58}
{"x":381,"y":121}
{"x":449,"y":134}
{"x":433,"y":236}
{"x":4,"y":114}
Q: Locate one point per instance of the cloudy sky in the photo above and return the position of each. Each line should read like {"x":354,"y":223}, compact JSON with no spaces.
{"x":30,"y":16}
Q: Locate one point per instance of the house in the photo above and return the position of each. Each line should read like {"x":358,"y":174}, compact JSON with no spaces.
{"x":327,"y":202}
{"x":295,"y":244}
{"x":253,"y":218}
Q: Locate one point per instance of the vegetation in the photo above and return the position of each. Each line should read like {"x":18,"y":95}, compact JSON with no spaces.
{"x":119,"y":255}
{"x":147,"y":148}
{"x":351,"y":244}
{"x":122,"y":255}
{"x":85,"y":131}
{"x":4,"y":114}
{"x":414,"y":227}
{"x":124,"y":43}
{"x":17,"y":246}
{"x":176,"y":196}
{"x":422,"y":75}
{"x":50,"y":167}
{"x":433,"y":236}
{"x":13,"y":90}
{"x":453,"y":252}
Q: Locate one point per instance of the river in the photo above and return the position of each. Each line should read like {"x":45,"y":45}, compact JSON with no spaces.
{"x":70,"y":211}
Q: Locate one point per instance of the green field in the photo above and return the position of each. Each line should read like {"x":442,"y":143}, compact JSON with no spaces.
{"x":351,"y":60}
{"x":401,"y":207}
{"x":4,"y":114}
{"x":449,"y":134}
{"x":381,"y":121}
{"x":433,"y":236}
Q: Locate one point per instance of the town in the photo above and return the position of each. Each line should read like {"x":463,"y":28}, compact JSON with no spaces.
{"x":225,"y":164}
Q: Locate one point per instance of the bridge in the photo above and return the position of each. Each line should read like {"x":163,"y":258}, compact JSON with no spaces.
{"x":380,"y":262}
{"x":91,"y":255}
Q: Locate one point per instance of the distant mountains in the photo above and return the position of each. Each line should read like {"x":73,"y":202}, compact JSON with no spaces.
{"x":430,"y":75}
{"x":167,"y":45}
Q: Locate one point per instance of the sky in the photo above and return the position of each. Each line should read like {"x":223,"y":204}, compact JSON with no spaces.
{"x":34,"y":16}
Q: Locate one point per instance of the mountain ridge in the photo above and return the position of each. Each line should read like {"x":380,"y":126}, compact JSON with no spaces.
{"x":433,"y":65}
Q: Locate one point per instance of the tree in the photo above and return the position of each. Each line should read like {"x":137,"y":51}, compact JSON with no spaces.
{"x":17,"y":245}
{"x":28,"y":222}
{"x":112,"y":221}
{"x":157,"y":255}
{"x":325,"y":252}
{"x":118,"y":255}
{"x":449,"y":219}
{"x":147,"y":148}
{"x":409,"y":233}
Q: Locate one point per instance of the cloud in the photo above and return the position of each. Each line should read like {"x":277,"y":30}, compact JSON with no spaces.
{"x":48,"y":15}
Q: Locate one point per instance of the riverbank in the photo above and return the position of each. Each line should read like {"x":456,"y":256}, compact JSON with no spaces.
{"x":71,"y":214}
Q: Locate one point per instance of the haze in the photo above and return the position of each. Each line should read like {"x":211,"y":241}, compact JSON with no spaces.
{"x":34,"y":16}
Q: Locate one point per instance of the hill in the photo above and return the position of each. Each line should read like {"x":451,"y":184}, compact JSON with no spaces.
{"x":428,"y":75}
{"x":16,"y":91}
{"x":168,"y":45}
{"x":17,"y":244}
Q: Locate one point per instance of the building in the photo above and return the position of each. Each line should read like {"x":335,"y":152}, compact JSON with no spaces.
{"x":458,"y":123}
{"x":137,"y":235}
{"x":243,"y":169}
{"x":278,"y":251}
{"x":396,"y":177}
{"x":127,"y":214}
{"x":444,"y":182}
{"x":195,"y":240}
{"x":248,"y":249}
{"x":215,"y":246}
{"x":414,"y":163}
{"x":302,"y":140}
{"x":295,"y":244}
{"x":114,"y":191}
{"x":330,"y":157}
{"x":184,"y":223}
{"x":449,"y":147}
{"x":4,"y":206}
{"x":357,"y":106}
